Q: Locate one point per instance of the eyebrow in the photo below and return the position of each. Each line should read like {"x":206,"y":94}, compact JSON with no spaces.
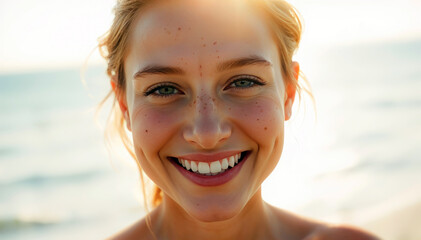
{"x":230,"y":64}
{"x":244,"y":61}
{"x":156,"y":69}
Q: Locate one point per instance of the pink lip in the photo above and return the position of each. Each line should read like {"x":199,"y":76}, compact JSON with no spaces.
{"x":209,"y":181}
{"x":201,"y":157}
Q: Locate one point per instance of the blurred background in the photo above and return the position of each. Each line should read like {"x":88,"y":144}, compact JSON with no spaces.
{"x":358,"y":162}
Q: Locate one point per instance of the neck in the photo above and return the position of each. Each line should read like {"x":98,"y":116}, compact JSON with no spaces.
{"x":252,"y":222}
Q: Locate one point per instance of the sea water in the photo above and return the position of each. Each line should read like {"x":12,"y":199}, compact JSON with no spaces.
{"x":360,"y":158}
{"x":56,"y":178}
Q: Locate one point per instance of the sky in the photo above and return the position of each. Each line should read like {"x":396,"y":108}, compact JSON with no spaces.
{"x":49,"y":34}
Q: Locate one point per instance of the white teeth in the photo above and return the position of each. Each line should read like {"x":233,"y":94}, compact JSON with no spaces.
{"x":187,"y":165}
{"x":193,"y":166}
{"x":212,"y":168}
{"x":224,"y":164}
{"x":232,"y":161}
{"x":215,"y":167}
{"x":203,"y":167}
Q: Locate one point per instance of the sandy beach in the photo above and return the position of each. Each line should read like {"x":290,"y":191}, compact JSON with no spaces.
{"x":401,"y":224}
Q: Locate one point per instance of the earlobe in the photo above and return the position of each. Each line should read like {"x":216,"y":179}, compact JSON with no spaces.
{"x":127,"y":119}
{"x":121,"y":102}
{"x":290,"y":91}
{"x":288,"y":109}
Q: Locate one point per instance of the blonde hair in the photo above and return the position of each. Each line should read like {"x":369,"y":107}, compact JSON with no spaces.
{"x":284,"y":22}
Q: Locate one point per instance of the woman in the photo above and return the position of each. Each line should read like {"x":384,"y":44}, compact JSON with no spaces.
{"x":205,"y":87}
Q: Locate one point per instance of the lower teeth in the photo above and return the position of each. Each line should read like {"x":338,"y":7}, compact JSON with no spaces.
{"x":212,"y":174}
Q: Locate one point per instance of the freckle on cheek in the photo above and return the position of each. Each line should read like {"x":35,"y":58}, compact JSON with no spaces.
{"x":146,"y":131}
{"x":266,"y":128}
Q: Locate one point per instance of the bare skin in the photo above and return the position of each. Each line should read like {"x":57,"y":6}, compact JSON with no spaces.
{"x":199,"y":102}
{"x":272,"y":223}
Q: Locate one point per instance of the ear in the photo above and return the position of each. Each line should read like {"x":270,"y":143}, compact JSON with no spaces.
{"x":290,"y":90}
{"x":121,"y":98}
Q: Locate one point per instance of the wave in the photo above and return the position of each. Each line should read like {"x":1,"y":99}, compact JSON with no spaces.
{"x":13,"y":224}
{"x":53,"y":179}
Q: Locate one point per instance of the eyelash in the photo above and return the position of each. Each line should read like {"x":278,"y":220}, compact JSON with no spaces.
{"x":158,"y":87}
{"x":254,"y":80}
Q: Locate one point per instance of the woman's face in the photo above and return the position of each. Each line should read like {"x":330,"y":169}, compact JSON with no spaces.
{"x":204,"y":85}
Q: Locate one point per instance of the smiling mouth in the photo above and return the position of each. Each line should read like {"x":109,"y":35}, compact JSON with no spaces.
{"x":211,"y":168}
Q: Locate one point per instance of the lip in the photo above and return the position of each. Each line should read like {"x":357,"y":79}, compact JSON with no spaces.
{"x":203,"y":157}
{"x":216,"y":180}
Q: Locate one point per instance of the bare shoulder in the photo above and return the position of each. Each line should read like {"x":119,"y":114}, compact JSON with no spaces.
{"x":292,"y":226}
{"x":300,"y":228}
{"x":326,"y":232}
{"x":138,"y":230}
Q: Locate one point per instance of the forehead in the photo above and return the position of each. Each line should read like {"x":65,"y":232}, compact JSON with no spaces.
{"x":166,"y":30}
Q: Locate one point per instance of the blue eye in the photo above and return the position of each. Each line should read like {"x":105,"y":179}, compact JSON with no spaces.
{"x":162,"y":90}
{"x":244,"y":82}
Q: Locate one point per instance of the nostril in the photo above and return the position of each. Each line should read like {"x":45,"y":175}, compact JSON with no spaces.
{"x":207,"y":130}
{"x":206,"y":139}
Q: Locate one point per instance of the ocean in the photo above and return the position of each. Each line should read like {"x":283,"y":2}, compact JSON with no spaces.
{"x":357,"y":161}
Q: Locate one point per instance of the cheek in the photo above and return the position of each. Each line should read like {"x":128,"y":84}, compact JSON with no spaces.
{"x":261,"y":119}
{"x":152,"y":128}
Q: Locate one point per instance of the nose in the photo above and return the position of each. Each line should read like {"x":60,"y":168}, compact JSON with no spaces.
{"x":208,"y":127}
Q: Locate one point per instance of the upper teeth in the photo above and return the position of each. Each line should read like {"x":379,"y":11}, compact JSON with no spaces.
{"x":210,"y":168}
